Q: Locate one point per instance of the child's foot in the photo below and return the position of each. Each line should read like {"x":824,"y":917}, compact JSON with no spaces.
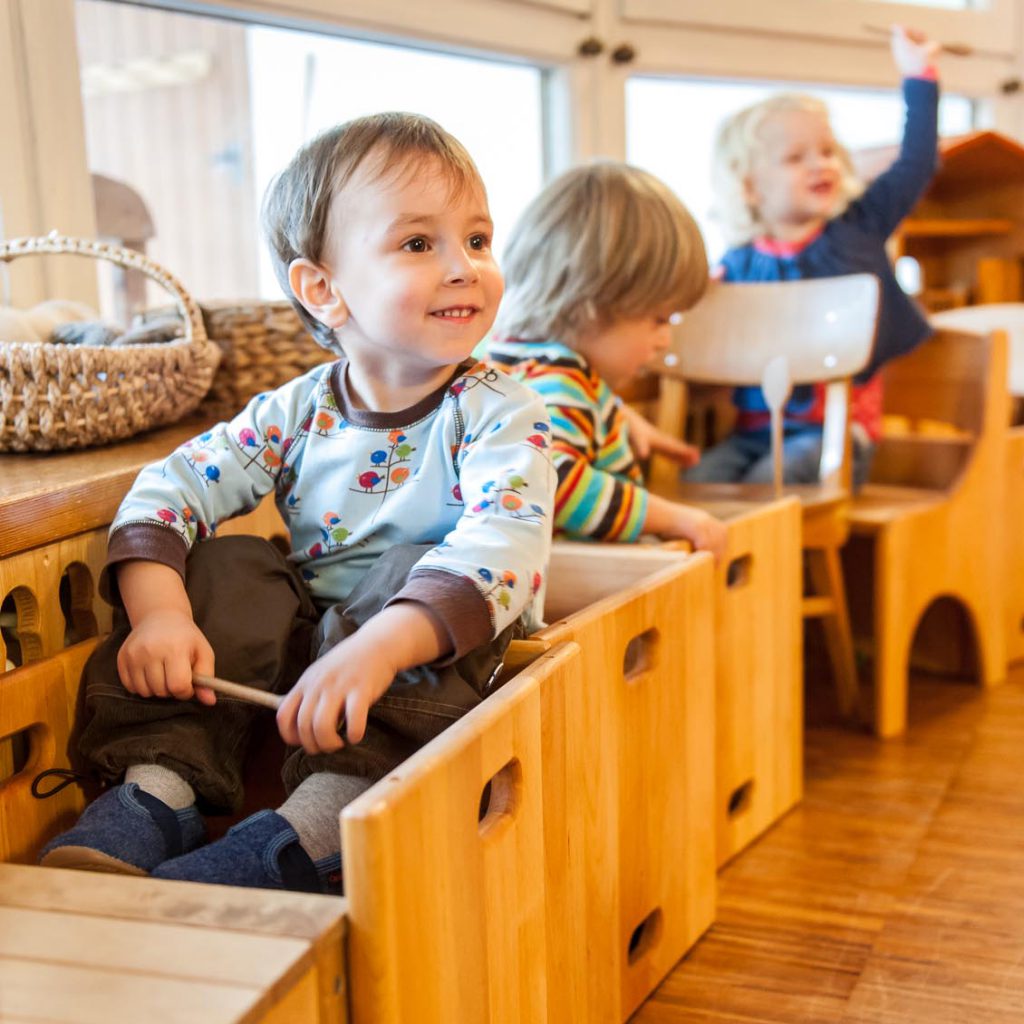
{"x":262,"y":852}
{"x":126,"y":831}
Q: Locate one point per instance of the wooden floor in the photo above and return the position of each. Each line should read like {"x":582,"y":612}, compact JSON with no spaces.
{"x":893,"y":894}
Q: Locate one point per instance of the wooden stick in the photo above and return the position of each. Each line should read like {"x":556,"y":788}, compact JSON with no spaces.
{"x":247,"y":693}
{"x":953,"y":49}
{"x":238,"y":691}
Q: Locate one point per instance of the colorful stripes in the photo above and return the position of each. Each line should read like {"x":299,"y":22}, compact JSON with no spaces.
{"x":600,"y":492}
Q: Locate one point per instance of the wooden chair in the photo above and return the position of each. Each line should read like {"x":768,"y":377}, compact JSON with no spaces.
{"x":1008,"y":316}
{"x":931,"y":510}
{"x":825,"y":331}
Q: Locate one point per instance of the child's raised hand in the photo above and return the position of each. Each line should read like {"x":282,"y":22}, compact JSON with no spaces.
{"x":913,"y":51}
{"x":160,"y":654}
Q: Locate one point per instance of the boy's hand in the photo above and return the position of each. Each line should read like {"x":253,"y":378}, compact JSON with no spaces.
{"x":349,"y":678}
{"x":645,"y":438}
{"x":702,"y":530}
{"x":913,"y":51}
{"x":160,"y":655}
{"x":354,"y":675}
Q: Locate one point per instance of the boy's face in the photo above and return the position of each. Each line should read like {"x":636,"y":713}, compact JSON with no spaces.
{"x":411,"y":258}
{"x":619,"y":351}
{"x":797,"y":173}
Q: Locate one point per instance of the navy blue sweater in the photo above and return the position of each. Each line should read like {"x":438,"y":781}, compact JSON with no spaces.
{"x":854,"y":241}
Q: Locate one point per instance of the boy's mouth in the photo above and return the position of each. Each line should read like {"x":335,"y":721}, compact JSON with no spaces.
{"x":455,"y":313}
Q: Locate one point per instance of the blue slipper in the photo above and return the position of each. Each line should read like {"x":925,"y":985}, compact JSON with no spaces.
{"x":262,"y":852}
{"x":125,"y":831}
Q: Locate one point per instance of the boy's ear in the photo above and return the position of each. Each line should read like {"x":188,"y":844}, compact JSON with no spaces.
{"x":314,"y":287}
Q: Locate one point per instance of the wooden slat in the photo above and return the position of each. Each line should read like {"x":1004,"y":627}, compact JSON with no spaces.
{"x":649,"y":744}
{"x":58,"y":992}
{"x":319,"y":920}
{"x":758,"y":675}
{"x":151,"y":948}
{"x":448,"y":915}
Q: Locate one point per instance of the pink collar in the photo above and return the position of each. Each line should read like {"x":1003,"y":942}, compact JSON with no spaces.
{"x":777,"y":247}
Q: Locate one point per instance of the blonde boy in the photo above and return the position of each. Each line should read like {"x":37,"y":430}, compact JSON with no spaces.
{"x":595,"y":270}
{"x":418,"y":496}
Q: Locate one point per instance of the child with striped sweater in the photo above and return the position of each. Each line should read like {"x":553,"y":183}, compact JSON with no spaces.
{"x":595,"y":269}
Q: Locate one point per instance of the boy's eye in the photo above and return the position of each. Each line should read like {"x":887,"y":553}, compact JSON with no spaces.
{"x":479,"y":242}
{"x":418,"y":244}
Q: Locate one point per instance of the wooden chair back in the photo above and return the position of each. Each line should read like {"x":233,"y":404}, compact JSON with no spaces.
{"x":945,"y":405}
{"x":997,"y":316}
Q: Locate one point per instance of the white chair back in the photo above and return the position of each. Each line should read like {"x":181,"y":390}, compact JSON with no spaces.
{"x":817,"y":331}
{"x":825,"y":328}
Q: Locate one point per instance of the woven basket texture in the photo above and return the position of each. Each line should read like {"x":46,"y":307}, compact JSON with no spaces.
{"x":263,"y":345}
{"x":55,"y":397}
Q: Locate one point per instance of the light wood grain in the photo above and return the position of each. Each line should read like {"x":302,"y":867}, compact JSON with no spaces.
{"x":39,"y":698}
{"x":175,"y":930}
{"x":449,"y":915}
{"x":649,"y":735}
{"x":759,"y":675}
{"x":929,"y":544}
{"x":891,"y":895}
{"x":1013,"y":567}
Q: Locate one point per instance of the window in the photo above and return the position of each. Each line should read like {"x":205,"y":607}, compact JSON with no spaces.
{"x":657,"y":109}
{"x":187,"y":118}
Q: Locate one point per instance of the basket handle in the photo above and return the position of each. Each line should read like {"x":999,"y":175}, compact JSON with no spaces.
{"x":56,"y":244}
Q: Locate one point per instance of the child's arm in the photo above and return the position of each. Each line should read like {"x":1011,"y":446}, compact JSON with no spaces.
{"x":893,"y":194}
{"x":645,"y":438}
{"x":671,"y":520}
{"x":223,"y":472}
{"x":356,"y":673}
{"x":165,"y":646}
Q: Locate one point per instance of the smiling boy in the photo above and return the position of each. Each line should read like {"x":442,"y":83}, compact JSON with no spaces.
{"x":418,"y":496}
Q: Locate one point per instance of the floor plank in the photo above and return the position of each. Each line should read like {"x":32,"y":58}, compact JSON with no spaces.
{"x":893,"y":894}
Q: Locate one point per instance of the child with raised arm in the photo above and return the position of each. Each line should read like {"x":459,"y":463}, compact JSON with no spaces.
{"x":418,"y":494}
{"x":786,"y":196}
{"x":595,"y":270}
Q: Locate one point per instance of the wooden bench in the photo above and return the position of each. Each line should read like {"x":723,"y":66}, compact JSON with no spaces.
{"x":108,"y":948}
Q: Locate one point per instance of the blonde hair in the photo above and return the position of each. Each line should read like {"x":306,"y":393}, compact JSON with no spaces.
{"x":736,"y":147}
{"x":599,"y":243}
{"x":297,"y":204}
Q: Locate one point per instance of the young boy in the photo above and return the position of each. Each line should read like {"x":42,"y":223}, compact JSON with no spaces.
{"x":418,"y":496}
{"x":596,"y":267}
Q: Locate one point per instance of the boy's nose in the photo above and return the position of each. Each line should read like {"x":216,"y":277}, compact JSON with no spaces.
{"x":463,"y":269}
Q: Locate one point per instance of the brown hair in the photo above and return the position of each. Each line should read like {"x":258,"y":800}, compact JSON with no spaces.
{"x":600,"y":243}
{"x":297,"y":204}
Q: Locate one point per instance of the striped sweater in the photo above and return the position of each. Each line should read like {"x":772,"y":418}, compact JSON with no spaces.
{"x":600,"y":485}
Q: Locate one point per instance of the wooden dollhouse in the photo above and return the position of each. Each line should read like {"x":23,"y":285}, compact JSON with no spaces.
{"x":967,"y":231}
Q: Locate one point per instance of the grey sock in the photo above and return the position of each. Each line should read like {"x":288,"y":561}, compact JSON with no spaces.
{"x":313,"y":809}
{"x":164,"y":784}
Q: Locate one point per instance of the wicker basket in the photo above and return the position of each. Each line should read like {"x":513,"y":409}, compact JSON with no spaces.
{"x":55,"y":397}
{"x":263,"y":345}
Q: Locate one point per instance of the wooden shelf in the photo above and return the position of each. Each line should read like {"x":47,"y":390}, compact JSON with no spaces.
{"x":941,"y":228}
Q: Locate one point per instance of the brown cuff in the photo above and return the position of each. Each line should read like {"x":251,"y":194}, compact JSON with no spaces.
{"x":147,"y":541}
{"x":457,"y":603}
